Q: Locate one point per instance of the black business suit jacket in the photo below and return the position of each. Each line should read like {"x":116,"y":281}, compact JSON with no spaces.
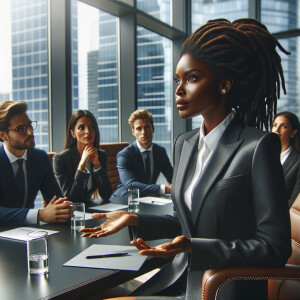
{"x":40,"y":177}
{"x":291,"y":169}
{"x":132,"y":173}
{"x":74,"y":183}
{"x":239,"y":213}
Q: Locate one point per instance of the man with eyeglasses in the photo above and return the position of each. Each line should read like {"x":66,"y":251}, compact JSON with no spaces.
{"x":25,"y":170}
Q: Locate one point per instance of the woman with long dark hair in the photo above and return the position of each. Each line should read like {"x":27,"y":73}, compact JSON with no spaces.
{"x":287,"y":126}
{"x":228,"y":184}
{"x":81,"y":168}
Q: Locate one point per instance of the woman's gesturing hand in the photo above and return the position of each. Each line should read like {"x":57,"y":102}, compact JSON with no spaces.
{"x":115,"y":221}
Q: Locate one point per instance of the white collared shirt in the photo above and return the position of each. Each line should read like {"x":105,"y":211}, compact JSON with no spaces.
{"x":31,"y":217}
{"x":207,"y":145}
{"x":285,"y":154}
{"x":142,"y":150}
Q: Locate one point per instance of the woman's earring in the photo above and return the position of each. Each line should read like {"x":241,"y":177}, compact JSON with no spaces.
{"x":223,"y":91}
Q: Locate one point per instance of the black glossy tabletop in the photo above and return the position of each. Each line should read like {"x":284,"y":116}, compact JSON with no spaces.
{"x":63,"y":282}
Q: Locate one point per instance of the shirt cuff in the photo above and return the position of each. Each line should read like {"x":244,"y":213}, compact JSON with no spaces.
{"x":162,"y":189}
{"x":95,"y":170}
{"x":31,"y":217}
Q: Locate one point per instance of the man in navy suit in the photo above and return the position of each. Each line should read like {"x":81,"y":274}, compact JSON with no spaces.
{"x":24,"y":171}
{"x":140,"y":164}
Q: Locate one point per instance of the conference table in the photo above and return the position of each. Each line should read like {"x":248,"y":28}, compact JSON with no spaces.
{"x":66,"y":282}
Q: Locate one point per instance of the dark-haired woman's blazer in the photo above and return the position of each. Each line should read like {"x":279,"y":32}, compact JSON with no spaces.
{"x":291,"y":169}
{"x":74,"y":183}
{"x":239,"y":214}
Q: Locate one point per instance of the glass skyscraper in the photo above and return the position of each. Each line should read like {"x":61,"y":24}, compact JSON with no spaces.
{"x":30,"y":62}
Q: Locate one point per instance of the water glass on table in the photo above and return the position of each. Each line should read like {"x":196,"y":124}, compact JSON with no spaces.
{"x":133,"y":200}
{"x":78,"y":216}
{"x":37,"y":252}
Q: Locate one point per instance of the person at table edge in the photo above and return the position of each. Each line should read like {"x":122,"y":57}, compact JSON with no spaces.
{"x":17,"y":204}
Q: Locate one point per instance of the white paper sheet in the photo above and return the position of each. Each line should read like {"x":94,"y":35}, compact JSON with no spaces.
{"x":133,"y":261}
{"x":109,"y":207}
{"x":155,"y":200}
{"x":21,"y":233}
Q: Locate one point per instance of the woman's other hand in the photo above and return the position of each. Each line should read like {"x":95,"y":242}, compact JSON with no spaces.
{"x":179,"y":244}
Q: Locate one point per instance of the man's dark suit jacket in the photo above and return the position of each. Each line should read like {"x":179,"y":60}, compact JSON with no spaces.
{"x":291,"y":169}
{"x":74,"y":183}
{"x":132,"y":173}
{"x":39,"y":177}
{"x":239,"y":214}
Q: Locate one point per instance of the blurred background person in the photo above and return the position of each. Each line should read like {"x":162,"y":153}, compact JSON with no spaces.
{"x":141,"y":163}
{"x":81,"y":168}
{"x":287,"y":126}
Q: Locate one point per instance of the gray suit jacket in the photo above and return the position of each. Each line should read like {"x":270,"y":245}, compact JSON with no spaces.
{"x":291,"y":169}
{"x":239,"y":211}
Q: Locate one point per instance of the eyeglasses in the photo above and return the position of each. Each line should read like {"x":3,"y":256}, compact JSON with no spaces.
{"x":22,"y":129}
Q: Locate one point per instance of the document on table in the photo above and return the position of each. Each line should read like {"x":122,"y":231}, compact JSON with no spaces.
{"x":21,"y":233}
{"x":155,"y":200}
{"x":131,"y":262}
{"x":87,"y":216}
{"x":109,"y":207}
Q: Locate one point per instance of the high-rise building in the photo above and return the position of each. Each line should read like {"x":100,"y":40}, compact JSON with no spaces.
{"x":103,"y":79}
{"x":30,"y":62}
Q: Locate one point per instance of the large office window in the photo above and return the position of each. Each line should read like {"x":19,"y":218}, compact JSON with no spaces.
{"x":280,"y":16}
{"x":154,"y":80}
{"x":95,"y":42}
{"x":23,"y":60}
{"x":159,"y":9}
{"x":204,"y":10}
{"x":291,"y":70}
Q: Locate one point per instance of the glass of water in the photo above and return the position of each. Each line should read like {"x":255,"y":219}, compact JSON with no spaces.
{"x":78,"y":217}
{"x":37,"y":252}
{"x":133,"y":200}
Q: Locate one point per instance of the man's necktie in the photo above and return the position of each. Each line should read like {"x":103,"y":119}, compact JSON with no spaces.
{"x":147,"y":165}
{"x":20,"y":179}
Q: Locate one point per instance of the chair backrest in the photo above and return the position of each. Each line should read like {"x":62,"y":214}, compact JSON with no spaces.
{"x":50,"y":155}
{"x":111,"y":151}
{"x":295,"y":228}
{"x":289,"y":289}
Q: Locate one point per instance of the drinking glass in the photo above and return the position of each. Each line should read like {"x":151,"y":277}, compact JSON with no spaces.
{"x":133,"y":200}
{"x":78,"y":217}
{"x":37,"y":252}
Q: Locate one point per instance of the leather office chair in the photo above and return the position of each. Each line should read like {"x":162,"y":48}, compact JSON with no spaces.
{"x":111,"y":150}
{"x":283,"y":283}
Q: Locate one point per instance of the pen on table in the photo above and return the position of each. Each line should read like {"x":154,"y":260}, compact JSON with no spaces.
{"x":107,"y":255}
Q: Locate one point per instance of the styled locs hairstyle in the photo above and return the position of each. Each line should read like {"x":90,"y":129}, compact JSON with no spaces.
{"x":70,"y":141}
{"x":293,"y":119}
{"x":245,"y":52}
